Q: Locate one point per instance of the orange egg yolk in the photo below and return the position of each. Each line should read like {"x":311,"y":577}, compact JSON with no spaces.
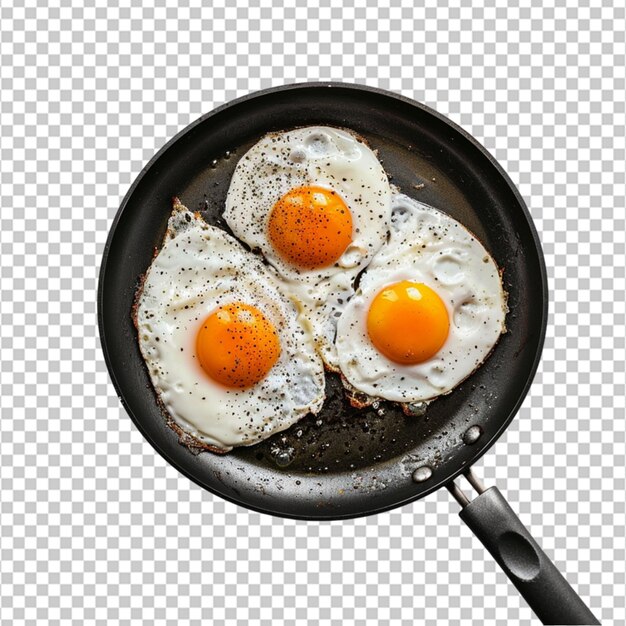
{"x":310,"y":227}
{"x":237,"y":345}
{"x":408,"y":322}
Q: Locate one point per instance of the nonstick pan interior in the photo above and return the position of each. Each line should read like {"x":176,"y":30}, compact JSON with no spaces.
{"x":343,"y":462}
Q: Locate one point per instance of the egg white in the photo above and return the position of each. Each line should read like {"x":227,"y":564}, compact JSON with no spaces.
{"x":331,"y":158}
{"x":425,"y":246}
{"x":198,"y":269}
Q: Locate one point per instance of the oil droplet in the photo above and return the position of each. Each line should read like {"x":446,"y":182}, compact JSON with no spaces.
{"x":472,"y":435}
{"x":422,"y":473}
{"x":283,"y":456}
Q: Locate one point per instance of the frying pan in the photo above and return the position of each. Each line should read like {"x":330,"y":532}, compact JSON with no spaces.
{"x":346,"y":462}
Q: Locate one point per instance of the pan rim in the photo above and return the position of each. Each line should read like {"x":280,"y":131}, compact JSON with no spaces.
{"x":325,"y":515}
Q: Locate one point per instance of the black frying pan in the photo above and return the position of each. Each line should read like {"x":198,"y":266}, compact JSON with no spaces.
{"x":347,"y":462}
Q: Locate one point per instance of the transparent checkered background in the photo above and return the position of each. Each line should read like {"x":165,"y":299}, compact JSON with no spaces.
{"x":95,"y":527}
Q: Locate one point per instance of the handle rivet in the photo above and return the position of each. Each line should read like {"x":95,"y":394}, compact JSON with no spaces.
{"x":422,"y":474}
{"x":472,"y":435}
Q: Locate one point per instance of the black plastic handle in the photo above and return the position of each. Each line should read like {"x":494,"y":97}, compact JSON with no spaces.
{"x":549,"y":595}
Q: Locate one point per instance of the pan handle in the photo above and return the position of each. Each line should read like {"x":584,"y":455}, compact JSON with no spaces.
{"x":494,"y":522}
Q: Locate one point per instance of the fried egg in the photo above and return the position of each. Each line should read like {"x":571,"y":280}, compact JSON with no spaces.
{"x":227,"y":356}
{"x":315,"y":202}
{"x":429,"y":309}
